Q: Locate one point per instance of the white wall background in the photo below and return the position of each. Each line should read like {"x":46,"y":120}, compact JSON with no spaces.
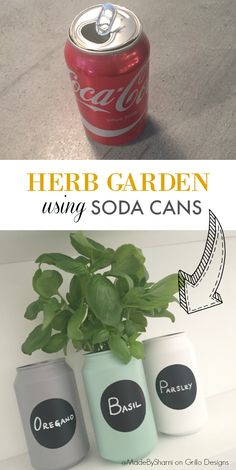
{"x":212,"y":331}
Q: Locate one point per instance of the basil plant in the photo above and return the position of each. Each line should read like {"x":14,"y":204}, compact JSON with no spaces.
{"x":107,"y":305}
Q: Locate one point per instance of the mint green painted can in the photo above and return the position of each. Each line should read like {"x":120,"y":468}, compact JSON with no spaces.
{"x":120,"y":407}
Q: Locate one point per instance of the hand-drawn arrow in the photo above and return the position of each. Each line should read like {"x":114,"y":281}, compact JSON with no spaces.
{"x":199,"y":291}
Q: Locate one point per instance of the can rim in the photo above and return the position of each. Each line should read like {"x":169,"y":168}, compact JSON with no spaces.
{"x":40,"y":364}
{"x":111,"y":51}
{"x":163,"y":337}
{"x":96,"y":354}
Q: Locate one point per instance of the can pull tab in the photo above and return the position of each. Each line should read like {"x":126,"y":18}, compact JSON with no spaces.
{"x":106,"y":19}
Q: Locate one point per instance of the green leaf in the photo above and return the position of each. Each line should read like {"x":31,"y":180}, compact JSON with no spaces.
{"x":56,"y":343}
{"x":163,"y":313}
{"x":104,"y":301}
{"x":36,"y":276}
{"x":83,"y":260}
{"x":130,"y":260}
{"x":128,"y":280}
{"x":100,"y":336}
{"x":141,"y":276}
{"x":119,"y":347}
{"x":137,"y":349}
{"x":130,"y":327}
{"x":33,"y":309}
{"x":135,"y":298}
{"x":75,"y":322}
{"x":121,"y":286}
{"x":120,"y":328}
{"x":166,"y":287}
{"x":103,"y":261}
{"x":66,"y":263}
{"x":100,"y":256}
{"x":60,"y":321}
{"x":46,"y":283}
{"x":85,"y":246}
{"x":77,"y":290}
{"x":50,"y":309}
{"x":139,"y":319}
{"x":37,"y":339}
{"x":136,"y":323}
{"x":132,"y":338}
{"x":97,"y":246}
{"x":75,"y":334}
{"x":144,"y":299}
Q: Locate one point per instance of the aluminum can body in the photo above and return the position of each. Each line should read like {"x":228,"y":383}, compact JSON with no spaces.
{"x":111,"y":82}
{"x":120,"y":407}
{"x":174,"y":384}
{"x":51,"y":415}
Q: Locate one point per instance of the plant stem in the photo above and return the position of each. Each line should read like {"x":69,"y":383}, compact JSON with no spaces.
{"x":62,"y":298}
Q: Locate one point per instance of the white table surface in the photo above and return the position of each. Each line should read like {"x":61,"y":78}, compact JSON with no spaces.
{"x":217,"y":441}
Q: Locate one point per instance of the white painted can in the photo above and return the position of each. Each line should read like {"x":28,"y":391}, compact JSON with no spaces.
{"x":174,"y":384}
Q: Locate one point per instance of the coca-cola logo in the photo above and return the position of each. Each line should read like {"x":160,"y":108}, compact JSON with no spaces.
{"x":123,"y":98}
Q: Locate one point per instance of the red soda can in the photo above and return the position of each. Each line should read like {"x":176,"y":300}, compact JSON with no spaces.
{"x":107,"y":54}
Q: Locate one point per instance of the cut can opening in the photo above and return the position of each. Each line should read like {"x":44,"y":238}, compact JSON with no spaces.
{"x":89,"y":33}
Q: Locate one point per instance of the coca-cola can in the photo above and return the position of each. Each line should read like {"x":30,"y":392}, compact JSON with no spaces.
{"x":107,"y":54}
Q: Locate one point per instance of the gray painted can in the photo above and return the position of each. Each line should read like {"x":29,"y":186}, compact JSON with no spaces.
{"x":51,"y":415}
